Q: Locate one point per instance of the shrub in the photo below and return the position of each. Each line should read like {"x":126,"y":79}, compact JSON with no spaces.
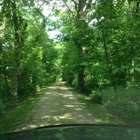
{"x":96,"y":97}
{"x":128,"y":105}
{"x":91,"y":85}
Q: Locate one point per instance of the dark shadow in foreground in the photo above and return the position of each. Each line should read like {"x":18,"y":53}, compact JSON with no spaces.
{"x":77,"y":132}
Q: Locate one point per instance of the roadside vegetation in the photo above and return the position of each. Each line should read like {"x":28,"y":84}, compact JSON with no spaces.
{"x":101,"y":53}
{"x":29,"y":59}
{"x":11,"y":118}
{"x":127,"y":106}
{"x":107,"y":110}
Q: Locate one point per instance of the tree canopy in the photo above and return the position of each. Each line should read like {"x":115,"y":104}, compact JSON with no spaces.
{"x":98,"y":46}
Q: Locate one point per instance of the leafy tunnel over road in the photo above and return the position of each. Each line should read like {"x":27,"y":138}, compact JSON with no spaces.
{"x":57,"y":106}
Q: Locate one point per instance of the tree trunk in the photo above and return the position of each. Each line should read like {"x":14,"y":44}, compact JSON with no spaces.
{"x":81,"y":8}
{"x":81,"y":80}
{"x":17,"y":48}
{"x":112,"y":80}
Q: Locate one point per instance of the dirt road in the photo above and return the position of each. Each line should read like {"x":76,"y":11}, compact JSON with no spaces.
{"x":57,"y":106}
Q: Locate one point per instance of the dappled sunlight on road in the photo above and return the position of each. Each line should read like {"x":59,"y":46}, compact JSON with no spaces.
{"x":52,"y":88}
{"x":69,"y":105}
{"x":64,"y":88}
{"x":57,"y":106}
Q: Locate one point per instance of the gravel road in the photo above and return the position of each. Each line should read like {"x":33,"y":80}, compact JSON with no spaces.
{"x":57,"y":106}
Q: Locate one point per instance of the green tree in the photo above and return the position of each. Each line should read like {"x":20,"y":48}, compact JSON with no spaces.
{"x":105,"y":41}
{"x":76,"y":29}
{"x":28,"y":57}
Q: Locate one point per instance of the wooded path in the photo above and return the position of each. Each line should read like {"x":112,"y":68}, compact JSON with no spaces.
{"x":57,"y":106}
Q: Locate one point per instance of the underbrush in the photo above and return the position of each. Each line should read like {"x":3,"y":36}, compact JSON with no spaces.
{"x":127,"y":105}
{"x":9,"y":102}
{"x":100,"y":113}
{"x":96,"y":97}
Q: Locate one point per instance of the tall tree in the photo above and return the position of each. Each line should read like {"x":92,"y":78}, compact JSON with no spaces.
{"x":79,"y":10}
{"x":27,"y":55}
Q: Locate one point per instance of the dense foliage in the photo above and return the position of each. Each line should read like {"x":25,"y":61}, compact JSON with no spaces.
{"x":103,"y":38}
{"x":28,"y":58}
{"x":100,"y":40}
{"x":102,"y":51}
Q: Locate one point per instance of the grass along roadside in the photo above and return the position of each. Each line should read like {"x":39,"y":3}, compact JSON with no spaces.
{"x":101,"y":113}
{"x":14,"y":116}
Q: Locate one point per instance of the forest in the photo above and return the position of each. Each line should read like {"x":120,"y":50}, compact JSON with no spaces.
{"x":97,"y":51}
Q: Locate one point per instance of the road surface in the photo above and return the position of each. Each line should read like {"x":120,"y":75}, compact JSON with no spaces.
{"x":57,"y":106}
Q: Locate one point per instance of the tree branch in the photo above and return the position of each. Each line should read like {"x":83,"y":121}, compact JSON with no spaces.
{"x":75,"y":4}
{"x":68,"y":8}
{"x":89,"y":5}
{"x":44,"y":18}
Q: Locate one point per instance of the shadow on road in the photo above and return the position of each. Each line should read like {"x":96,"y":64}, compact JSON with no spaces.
{"x":57,"y":106}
